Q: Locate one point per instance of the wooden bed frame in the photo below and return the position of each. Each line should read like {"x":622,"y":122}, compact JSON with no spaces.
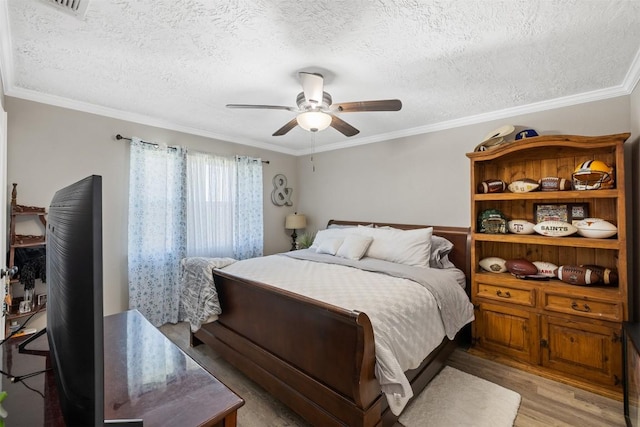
{"x":316,"y":358}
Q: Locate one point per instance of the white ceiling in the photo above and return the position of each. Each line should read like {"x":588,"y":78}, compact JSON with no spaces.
{"x":176,"y":63}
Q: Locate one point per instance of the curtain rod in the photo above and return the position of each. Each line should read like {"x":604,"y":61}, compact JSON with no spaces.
{"x":119,"y":137}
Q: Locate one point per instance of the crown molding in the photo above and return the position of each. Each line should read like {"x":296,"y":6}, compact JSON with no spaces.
{"x":633,"y":75}
{"x":142,"y":119}
{"x":7,"y":76}
{"x":567,"y":101}
{"x":6,"y":59}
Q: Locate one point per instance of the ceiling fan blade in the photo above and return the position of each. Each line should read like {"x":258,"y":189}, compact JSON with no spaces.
{"x":312,"y":86}
{"x":343,"y":127}
{"x":263,"y":107}
{"x":286,"y":128}
{"x":381,"y":105}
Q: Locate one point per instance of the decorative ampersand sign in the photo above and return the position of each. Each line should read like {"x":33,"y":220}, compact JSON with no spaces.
{"x":281,"y":195}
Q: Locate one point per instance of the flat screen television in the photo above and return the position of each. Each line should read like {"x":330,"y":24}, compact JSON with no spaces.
{"x":74,"y":302}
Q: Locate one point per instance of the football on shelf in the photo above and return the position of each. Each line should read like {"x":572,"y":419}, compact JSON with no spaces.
{"x":521,"y":267}
{"x":546,"y":268}
{"x":577,"y":275}
{"x":555,"y":228}
{"x":523,"y":186}
{"x":607,"y":275}
{"x":596,"y":228}
{"x":492,"y":186}
{"x":493,"y":264}
{"x":520,"y":226}
{"x":554,"y":183}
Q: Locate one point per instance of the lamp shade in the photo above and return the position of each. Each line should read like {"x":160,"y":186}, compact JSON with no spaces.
{"x":314,"y":121}
{"x":295,"y":221}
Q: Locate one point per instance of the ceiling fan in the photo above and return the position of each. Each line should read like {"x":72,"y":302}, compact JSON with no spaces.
{"x":316,"y":111}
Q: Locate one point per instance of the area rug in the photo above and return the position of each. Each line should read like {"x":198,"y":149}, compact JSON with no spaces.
{"x":455,"y":398}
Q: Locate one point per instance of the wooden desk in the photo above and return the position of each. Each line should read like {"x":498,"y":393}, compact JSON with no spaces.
{"x":146,"y":376}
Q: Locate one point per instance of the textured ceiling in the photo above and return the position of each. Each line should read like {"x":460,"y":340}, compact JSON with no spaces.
{"x":176,"y":63}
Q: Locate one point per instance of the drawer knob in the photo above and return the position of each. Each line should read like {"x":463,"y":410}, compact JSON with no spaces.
{"x":584,"y":308}
{"x":503,"y":295}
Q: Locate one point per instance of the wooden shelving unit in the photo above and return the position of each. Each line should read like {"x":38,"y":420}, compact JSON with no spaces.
{"x":17,"y":241}
{"x":563,"y":331}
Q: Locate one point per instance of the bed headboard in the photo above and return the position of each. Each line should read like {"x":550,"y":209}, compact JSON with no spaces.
{"x":459,"y":236}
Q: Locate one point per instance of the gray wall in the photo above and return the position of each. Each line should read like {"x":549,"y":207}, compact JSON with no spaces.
{"x":51,"y":147}
{"x":424,"y":179}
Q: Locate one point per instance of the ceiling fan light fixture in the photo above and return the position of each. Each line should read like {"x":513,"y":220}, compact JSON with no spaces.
{"x":315,"y":108}
{"x":314,"y":121}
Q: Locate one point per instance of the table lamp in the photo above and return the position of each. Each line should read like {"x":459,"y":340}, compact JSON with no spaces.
{"x":295,"y":222}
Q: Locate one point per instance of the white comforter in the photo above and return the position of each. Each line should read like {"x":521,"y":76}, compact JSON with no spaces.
{"x":405,"y":316}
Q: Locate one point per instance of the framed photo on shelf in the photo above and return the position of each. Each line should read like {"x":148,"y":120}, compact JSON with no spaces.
{"x":567,"y":212}
{"x":41,"y":299}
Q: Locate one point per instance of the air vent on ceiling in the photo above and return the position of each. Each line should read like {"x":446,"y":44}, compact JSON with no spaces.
{"x":74,"y":7}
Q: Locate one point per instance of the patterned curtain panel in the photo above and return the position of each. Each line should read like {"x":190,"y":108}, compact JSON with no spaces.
{"x":248,"y":228}
{"x":157,"y":229}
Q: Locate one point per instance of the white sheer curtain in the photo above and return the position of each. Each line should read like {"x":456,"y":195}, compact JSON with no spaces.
{"x":224,"y":206}
{"x":210,"y":201}
{"x":157,"y":231}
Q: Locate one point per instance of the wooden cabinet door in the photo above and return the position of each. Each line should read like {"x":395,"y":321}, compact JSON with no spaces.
{"x":582,"y":349}
{"x":508,"y":330}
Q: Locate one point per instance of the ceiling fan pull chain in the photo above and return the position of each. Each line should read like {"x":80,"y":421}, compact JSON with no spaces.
{"x":313,"y":151}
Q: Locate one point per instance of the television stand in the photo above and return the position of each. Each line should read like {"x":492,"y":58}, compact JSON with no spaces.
{"x":146,"y":377}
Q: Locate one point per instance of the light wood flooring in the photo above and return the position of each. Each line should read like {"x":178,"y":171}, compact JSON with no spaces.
{"x":544,"y":402}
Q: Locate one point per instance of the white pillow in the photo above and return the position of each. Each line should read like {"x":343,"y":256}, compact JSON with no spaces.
{"x":410,"y":247}
{"x":348,"y":226}
{"x":332,"y":233}
{"x":440,"y":250}
{"x":354,"y":246}
{"x":330,"y":245}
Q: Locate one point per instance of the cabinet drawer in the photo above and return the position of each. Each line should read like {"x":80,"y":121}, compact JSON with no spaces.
{"x":507,"y":294}
{"x":605,"y":310}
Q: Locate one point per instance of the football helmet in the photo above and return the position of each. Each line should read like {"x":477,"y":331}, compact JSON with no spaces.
{"x":495,"y":138}
{"x":592,"y":175}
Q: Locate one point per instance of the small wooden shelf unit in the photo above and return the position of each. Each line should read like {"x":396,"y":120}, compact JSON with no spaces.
{"x":565,"y":332}
{"x":17,"y":241}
